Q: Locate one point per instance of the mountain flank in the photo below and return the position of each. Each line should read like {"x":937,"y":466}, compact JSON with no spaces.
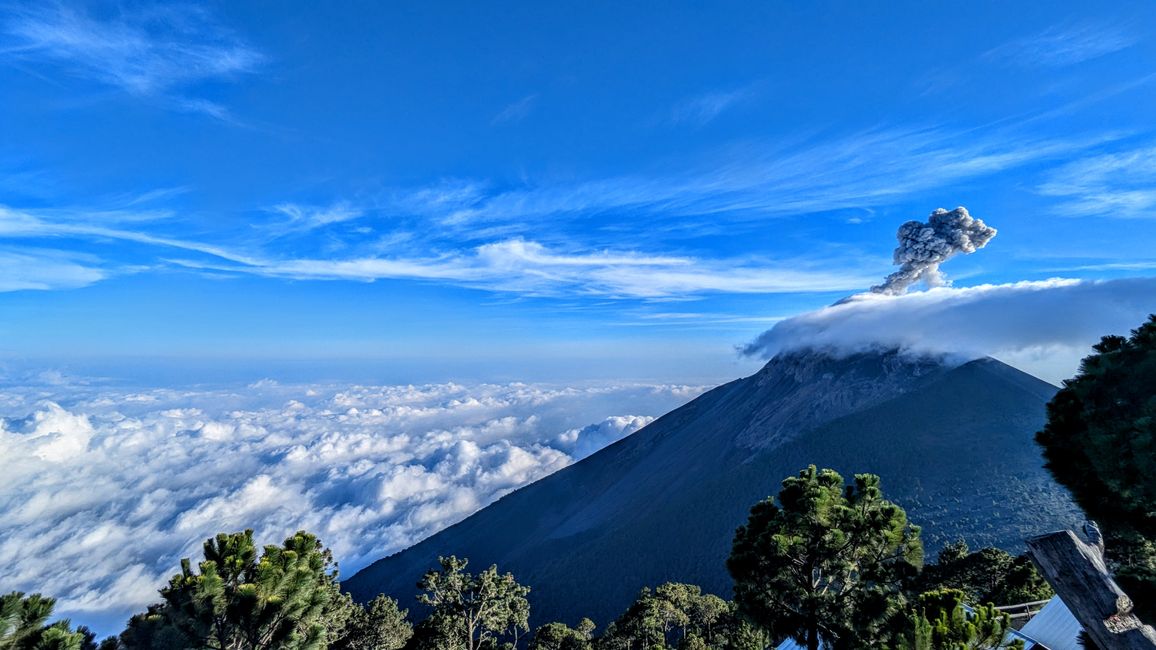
{"x":952,"y":443}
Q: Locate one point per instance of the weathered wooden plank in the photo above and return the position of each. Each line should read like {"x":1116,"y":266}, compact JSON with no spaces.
{"x":1077,"y":572}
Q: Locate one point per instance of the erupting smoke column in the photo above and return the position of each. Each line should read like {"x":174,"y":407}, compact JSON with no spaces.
{"x":924,"y":246}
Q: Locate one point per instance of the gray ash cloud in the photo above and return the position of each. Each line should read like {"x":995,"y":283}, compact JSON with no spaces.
{"x":923,"y":246}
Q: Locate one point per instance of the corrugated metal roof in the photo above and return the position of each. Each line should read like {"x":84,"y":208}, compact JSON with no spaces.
{"x":1054,"y":627}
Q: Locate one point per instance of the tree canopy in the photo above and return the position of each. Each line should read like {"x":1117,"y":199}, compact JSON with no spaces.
{"x":824,"y":562}
{"x":286,"y":598}
{"x":380,"y":625}
{"x":472,"y":611}
{"x":559,"y":636}
{"x":939,"y":621}
{"x":24,"y":625}
{"x":1100,"y":442}
{"x":829,"y":564}
{"x":677,"y":615}
{"x":989,"y":575}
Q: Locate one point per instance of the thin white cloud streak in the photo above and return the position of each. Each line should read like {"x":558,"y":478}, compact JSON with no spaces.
{"x":704,"y":108}
{"x":1017,"y":320}
{"x":151,"y":51}
{"x":47,"y":270}
{"x":306,"y":218}
{"x":484,"y":242}
{"x":529,"y":268}
{"x":370,"y":469}
{"x":1119,"y":184}
{"x":46,"y":224}
{"x":1138,"y":265}
{"x":516,"y":111}
{"x":1060,"y":46}
{"x":508,"y":266}
{"x":865,"y":169}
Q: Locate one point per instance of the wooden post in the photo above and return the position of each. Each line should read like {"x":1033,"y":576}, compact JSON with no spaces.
{"x":1077,"y":572}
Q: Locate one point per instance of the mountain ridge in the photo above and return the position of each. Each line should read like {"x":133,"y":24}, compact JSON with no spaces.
{"x":663,"y":503}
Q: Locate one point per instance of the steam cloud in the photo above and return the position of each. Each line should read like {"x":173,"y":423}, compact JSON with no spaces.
{"x":1044,"y":327}
{"x":924,"y":246}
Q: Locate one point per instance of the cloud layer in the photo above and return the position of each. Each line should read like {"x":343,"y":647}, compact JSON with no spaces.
{"x":1018,"y":321}
{"x":104,"y":490}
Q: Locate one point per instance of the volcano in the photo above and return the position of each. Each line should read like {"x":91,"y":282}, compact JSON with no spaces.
{"x":952,"y":442}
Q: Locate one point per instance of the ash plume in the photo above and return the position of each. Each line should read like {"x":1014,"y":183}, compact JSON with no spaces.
{"x":924,"y":246}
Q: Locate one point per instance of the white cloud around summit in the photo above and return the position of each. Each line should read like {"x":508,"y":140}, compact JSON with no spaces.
{"x":1042,"y":327}
{"x":104,"y":490}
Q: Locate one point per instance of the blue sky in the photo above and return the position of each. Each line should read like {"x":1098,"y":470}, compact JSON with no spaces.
{"x":537,"y":190}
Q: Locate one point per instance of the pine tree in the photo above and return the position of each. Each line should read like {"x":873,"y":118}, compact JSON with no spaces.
{"x":472,"y":611}
{"x":1100,"y":442}
{"x":941,"y":622}
{"x":989,"y":575}
{"x":24,"y":625}
{"x":823,"y":563}
{"x":559,"y":636}
{"x":287,"y":599}
{"x":677,"y":615}
{"x":379,"y":626}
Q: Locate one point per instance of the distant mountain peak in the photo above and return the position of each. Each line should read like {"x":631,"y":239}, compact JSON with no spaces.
{"x":802,"y":389}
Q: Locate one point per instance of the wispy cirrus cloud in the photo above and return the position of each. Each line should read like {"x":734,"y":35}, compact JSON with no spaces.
{"x":517,"y":266}
{"x":303,"y":218}
{"x":531,"y":269}
{"x":704,"y":108}
{"x":754,"y":181}
{"x":1066,"y":45}
{"x":114,"y":225}
{"x":1118,"y":184}
{"x":154,"y":52}
{"x":33,"y":269}
{"x":516,"y":111}
{"x":534,"y":239}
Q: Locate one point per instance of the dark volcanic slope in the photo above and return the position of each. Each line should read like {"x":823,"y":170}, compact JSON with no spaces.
{"x":953,"y":446}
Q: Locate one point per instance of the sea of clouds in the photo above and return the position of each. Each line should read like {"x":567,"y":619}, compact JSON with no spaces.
{"x":103,"y":489}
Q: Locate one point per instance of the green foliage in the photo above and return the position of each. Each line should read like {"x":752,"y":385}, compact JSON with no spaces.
{"x":379,"y":626}
{"x":24,"y":626}
{"x":471,"y":611}
{"x":429,"y":634}
{"x":989,"y":575}
{"x":644,"y":625}
{"x":824,"y":563}
{"x":940,"y":622}
{"x":89,"y":641}
{"x":676,"y":615}
{"x":288,"y":599}
{"x":559,"y":636}
{"x":1100,"y":442}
